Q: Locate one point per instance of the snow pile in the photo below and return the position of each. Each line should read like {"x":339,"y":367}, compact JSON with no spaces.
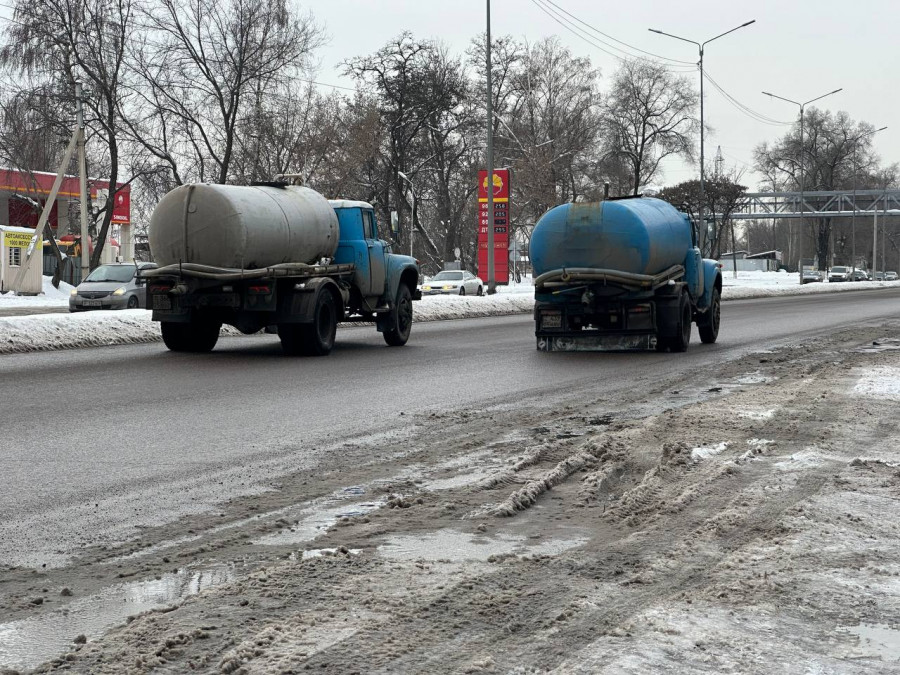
{"x":757,"y":284}
{"x":49,"y":296}
{"x":707,"y":451}
{"x":46,"y":332}
{"x":879,"y":382}
{"x":64,"y":331}
{"x":440,"y":307}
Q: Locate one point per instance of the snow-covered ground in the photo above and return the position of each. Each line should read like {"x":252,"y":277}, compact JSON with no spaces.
{"x":49,"y":297}
{"x":43,"y":332}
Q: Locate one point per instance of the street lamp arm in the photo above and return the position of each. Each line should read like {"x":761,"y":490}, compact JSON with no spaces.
{"x":743,"y":25}
{"x":653,"y":30}
{"x":812,"y":100}
{"x":784,"y":99}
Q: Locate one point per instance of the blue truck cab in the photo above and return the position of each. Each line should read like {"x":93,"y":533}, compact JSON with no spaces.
{"x":378,"y":272}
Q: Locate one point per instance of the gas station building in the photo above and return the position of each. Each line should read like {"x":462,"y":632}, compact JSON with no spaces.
{"x":23,"y":195}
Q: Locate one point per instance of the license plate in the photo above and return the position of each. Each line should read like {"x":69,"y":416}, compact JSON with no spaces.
{"x":551,"y":320}
{"x":162,"y":302}
{"x":91,"y":303}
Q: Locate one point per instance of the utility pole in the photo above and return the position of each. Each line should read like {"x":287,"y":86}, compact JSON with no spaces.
{"x":45,"y":214}
{"x":492,"y":281}
{"x":82,"y":183}
{"x":874,"y":238}
{"x":883,"y":229}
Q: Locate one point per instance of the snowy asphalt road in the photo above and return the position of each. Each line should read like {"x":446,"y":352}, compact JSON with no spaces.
{"x":152,"y":434}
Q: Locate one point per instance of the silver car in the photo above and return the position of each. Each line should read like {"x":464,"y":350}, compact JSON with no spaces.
{"x":454,"y":282}
{"x":112,"y":286}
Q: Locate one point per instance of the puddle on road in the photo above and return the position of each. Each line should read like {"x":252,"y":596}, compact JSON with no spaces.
{"x":878,"y":346}
{"x":475,"y":467}
{"x":315,"y":520}
{"x":458,"y":546}
{"x":875,"y":640}
{"x":27,"y":643}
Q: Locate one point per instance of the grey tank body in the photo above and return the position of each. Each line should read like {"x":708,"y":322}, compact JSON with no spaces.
{"x":242,"y":227}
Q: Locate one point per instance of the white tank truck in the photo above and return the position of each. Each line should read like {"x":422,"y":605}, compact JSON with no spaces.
{"x":273,"y":256}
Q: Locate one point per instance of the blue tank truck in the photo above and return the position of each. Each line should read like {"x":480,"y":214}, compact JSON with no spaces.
{"x":621,"y":274}
{"x":277,"y":257}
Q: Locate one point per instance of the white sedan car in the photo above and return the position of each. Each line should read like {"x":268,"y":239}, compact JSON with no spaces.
{"x":453,"y":282}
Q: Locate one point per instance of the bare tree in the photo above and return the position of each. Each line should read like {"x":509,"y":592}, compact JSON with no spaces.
{"x":834,"y":146}
{"x":203,"y":70}
{"x":68,"y":40}
{"x":403,"y":74}
{"x":724,"y":195}
{"x":648,"y":116}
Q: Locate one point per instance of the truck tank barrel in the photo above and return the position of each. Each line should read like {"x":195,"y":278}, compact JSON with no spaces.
{"x":641,"y":236}
{"x":244,"y":227}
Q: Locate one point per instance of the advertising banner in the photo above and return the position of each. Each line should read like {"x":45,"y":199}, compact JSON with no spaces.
{"x":500,"y":222}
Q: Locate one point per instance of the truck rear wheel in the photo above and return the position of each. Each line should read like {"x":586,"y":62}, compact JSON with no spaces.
{"x":312,"y":339}
{"x":401,"y":319}
{"x":683,"y":337}
{"x":678,"y":342}
{"x":194,"y":336}
{"x":709,"y":323}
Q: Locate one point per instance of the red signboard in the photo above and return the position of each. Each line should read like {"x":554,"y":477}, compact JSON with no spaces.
{"x":500,"y":223}
{"x":37,"y":183}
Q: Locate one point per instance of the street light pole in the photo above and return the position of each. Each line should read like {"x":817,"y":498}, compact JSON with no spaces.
{"x":412,"y":219}
{"x":491,"y":280}
{"x":855,"y":180}
{"x":802,"y":151}
{"x":700,"y":46}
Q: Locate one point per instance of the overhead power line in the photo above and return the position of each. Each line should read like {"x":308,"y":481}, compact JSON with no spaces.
{"x":746,"y":110}
{"x":621,"y":42}
{"x":595,"y":42}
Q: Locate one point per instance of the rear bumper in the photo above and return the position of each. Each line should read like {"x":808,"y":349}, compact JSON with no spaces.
{"x":596,"y":342}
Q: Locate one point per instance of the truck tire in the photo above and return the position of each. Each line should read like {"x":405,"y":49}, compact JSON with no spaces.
{"x":683,"y":335}
{"x":401,"y":319}
{"x":709,"y":323}
{"x":195,"y":336}
{"x":312,"y":339}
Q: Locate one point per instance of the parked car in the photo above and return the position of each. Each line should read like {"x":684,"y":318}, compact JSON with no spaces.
{"x":839,"y":273}
{"x":890,"y":276}
{"x":812,"y":276}
{"x":453,"y":282}
{"x":879,"y":276}
{"x":859,"y":275}
{"x":113,"y":286}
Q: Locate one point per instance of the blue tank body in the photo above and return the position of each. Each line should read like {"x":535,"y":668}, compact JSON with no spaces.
{"x":640,"y":236}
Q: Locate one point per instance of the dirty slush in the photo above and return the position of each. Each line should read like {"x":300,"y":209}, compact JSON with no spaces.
{"x":743,"y":519}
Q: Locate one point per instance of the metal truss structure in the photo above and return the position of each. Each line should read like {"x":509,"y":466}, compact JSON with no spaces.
{"x":825,"y":204}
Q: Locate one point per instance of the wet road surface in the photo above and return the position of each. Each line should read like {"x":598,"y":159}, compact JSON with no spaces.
{"x":135,"y":435}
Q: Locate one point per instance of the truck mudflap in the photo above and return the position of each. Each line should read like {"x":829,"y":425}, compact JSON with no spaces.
{"x":596,"y":343}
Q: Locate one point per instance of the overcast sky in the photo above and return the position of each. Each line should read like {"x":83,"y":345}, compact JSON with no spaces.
{"x":798,"y":49}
